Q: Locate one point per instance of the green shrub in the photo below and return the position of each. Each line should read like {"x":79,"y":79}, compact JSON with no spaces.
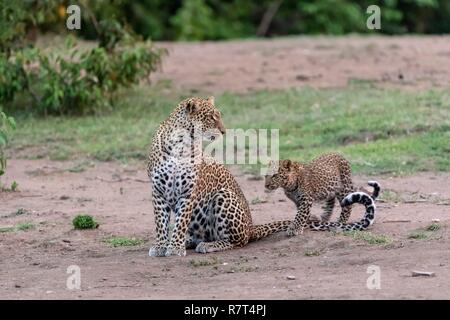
{"x":84,"y":222}
{"x":73,"y":81}
{"x":6,"y":124}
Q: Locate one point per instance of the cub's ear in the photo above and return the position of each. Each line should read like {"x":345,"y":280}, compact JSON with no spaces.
{"x":210,"y":100}
{"x":286,"y":164}
{"x":191,"y":107}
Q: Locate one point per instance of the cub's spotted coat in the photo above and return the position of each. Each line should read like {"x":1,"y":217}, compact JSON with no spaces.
{"x":326,"y":178}
{"x":211,"y":212}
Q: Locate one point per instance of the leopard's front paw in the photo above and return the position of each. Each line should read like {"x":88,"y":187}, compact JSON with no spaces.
{"x":173,"y":251}
{"x":157,"y":251}
{"x":292,"y":231}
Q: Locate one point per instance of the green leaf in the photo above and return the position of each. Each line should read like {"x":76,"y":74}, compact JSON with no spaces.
{"x":3,"y":139}
{"x":12,"y":122}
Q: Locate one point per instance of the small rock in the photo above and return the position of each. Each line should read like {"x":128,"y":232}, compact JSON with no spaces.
{"x":17,"y":286}
{"x":436,"y":220}
{"x":423,"y":274}
{"x":66,"y":240}
{"x":302,"y":77}
{"x":290,"y":277}
{"x":48,"y":291}
{"x":225,"y":263}
{"x":64,"y":197}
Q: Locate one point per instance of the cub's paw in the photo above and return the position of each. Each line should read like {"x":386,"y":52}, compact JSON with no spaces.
{"x":172,"y":251}
{"x":202,"y":247}
{"x":292,"y":232}
{"x":157,"y":251}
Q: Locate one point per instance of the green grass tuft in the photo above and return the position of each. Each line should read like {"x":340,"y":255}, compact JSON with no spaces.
{"x":84,"y":222}
{"x":424,"y":233}
{"x":204,"y":262}
{"x":23,"y":226}
{"x":369,"y":237}
{"x":313,"y":252}
{"x":120,"y":241}
{"x":418,"y":235}
{"x":6,"y":229}
{"x":433,"y":227}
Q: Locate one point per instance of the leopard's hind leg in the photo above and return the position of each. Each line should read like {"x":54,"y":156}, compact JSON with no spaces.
{"x":229,"y":226}
{"x":327,"y":209}
{"x":347,"y":188}
{"x":345,"y":211}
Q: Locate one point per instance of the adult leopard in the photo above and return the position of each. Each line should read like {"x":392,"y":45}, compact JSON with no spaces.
{"x":211,"y":212}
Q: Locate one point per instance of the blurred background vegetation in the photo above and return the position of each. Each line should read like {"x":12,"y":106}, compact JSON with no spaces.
{"x":227,"y":19}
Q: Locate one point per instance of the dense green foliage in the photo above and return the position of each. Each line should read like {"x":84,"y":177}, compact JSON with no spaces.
{"x":6,"y":124}
{"x":75,"y":81}
{"x":225,"y":19}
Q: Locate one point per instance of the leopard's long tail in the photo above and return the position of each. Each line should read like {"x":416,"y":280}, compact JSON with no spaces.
{"x":264,"y":230}
{"x":363,"y":224}
{"x":376,"y":189}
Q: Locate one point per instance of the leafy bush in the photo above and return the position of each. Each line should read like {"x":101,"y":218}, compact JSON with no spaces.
{"x":84,"y":222}
{"x":6,"y":124}
{"x":78,"y":82}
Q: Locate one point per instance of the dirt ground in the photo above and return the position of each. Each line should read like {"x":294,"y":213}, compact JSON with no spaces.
{"x":409,"y":62}
{"x":34,"y":262}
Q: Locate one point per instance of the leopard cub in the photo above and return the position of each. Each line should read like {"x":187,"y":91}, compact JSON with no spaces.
{"x":326,"y":178}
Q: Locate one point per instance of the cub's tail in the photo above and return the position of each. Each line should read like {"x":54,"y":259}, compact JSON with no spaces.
{"x":264,"y":230}
{"x":363,"y":224}
{"x":376,"y":189}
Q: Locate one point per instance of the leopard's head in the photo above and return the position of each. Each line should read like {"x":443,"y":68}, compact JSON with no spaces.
{"x":205,"y":116}
{"x":281,"y":174}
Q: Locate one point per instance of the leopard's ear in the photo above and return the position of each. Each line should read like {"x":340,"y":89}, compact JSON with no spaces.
{"x":210,"y":100}
{"x":191,"y":106}
{"x":286,"y":164}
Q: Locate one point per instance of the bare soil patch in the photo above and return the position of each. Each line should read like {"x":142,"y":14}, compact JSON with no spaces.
{"x":409,"y":62}
{"x":320,"y":265}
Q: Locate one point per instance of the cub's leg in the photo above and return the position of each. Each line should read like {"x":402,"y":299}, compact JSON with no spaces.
{"x":347,"y":188}
{"x":345,"y":211}
{"x":162,"y":218}
{"x":301,"y":218}
{"x":328,"y":209}
{"x":229,"y":225}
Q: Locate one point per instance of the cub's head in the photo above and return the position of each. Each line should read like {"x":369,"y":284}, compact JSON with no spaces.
{"x":281,"y":174}
{"x":204,"y":115}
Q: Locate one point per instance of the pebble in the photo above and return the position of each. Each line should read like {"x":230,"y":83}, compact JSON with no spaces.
{"x":423,"y":274}
{"x":290,"y":277}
